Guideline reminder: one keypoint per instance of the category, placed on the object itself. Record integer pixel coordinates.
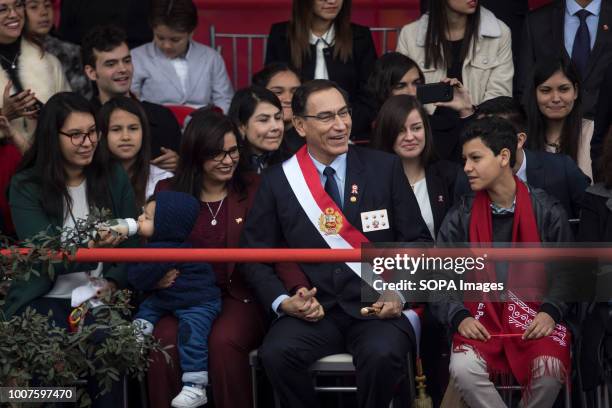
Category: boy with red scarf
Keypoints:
(533, 346)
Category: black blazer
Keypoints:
(559, 176)
(441, 177)
(543, 36)
(351, 75)
(603, 121)
(277, 219)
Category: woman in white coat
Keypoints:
(463, 40)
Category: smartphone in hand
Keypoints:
(437, 92)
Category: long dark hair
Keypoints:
(388, 70)
(537, 122)
(299, 32)
(140, 168)
(45, 163)
(437, 47)
(203, 139)
(391, 121)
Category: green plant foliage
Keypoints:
(33, 349)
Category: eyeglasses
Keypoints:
(233, 153)
(329, 117)
(5, 9)
(78, 138)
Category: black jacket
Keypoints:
(543, 36)
(595, 226)
(603, 120)
(552, 226)
(351, 75)
(165, 130)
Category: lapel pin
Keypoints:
(440, 199)
(353, 199)
(354, 189)
(238, 220)
(605, 27)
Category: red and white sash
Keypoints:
(305, 183)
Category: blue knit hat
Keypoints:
(175, 216)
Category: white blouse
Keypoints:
(422, 196)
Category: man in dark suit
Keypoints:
(287, 213)
(557, 174)
(108, 64)
(574, 29)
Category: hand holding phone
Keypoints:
(436, 92)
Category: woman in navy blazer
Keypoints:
(174, 69)
(345, 54)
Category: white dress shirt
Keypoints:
(322, 42)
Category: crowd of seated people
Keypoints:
(329, 132)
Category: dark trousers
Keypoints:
(379, 350)
(61, 309)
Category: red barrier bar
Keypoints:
(329, 255)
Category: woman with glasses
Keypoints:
(321, 43)
(210, 169)
(63, 176)
(125, 132)
(258, 115)
(29, 76)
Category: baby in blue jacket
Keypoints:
(194, 298)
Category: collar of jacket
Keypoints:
(489, 26)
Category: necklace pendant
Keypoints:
(213, 222)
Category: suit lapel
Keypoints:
(354, 170)
(602, 41)
(535, 171)
(437, 196)
(558, 23)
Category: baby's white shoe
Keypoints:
(190, 397)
